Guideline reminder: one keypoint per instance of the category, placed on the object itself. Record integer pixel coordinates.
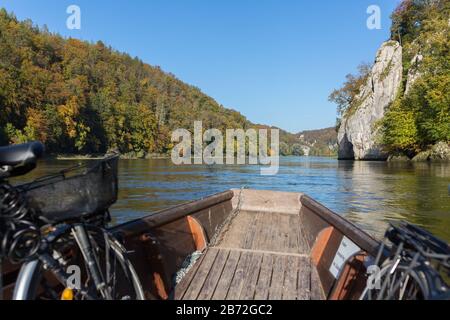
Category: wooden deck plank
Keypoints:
(224, 283)
(237, 231)
(181, 288)
(251, 275)
(277, 284)
(304, 280)
(252, 232)
(239, 276)
(273, 235)
(264, 237)
(301, 255)
(264, 278)
(204, 268)
(214, 275)
(316, 287)
(294, 233)
(302, 243)
(284, 231)
(265, 231)
(251, 278)
(260, 231)
(290, 279)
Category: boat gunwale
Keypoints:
(171, 214)
(349, 229)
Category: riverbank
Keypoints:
(101, 156)
(440, 152)
(146, 157)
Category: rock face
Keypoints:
(413, 72)
(398, 158)
(357, 135)
(439, 152)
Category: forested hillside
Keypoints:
(321, 141)
(79, 97)
(84, 98)
(326, 136)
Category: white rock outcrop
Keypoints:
(358, 134)
(413, 72)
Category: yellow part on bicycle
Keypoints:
(67, 294)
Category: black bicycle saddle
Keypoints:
(20, 159)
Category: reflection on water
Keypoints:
(368, 193)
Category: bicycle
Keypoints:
(416, 266)
(59, 221)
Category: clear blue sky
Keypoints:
(274, 61)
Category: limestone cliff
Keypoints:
(358, 133)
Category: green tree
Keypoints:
(431, 98)
(284, 149)
(297, 150)
(346, 97)
(399, 130)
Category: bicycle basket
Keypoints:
(71, 195)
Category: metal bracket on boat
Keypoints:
(147, 237)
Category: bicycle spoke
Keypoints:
(108, 266)
(414, 262)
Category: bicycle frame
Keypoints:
(31, 270)
(81, 237)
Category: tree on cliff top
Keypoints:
(346, 97)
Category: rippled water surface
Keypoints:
(368, 193)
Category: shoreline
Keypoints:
(66, 157)
(390, 159)
(74, 157)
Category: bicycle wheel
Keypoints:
(403, 284)
(118, 277)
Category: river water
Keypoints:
(368, 193)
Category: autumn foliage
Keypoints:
(79, 97)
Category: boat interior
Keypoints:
(256, 245)
(249, 245)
